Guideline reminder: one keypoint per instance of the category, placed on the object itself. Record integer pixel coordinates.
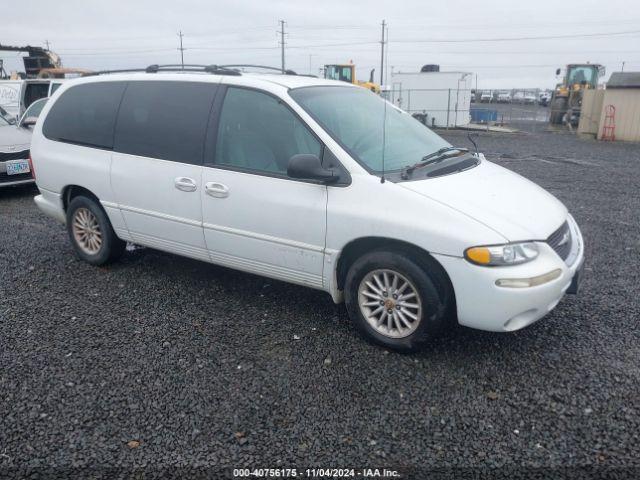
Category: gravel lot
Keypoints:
(159, 362)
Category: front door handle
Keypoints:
(216, 189)
(185, 184)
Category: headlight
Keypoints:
(498, 255)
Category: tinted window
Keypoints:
(85, 114)
(165, 120)
(257, 132)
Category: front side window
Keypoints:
(361, 123)
(257, 132)
(165, 120)
(582, 74)
(339, 72)
(345, 74)
(85, 114)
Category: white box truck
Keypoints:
(440, 99)
(17, 95)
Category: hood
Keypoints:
(509, 204)
(12, 136)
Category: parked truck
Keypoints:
(347, 73)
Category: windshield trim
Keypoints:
(352, 154)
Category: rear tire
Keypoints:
(393, 315)
(91, 233)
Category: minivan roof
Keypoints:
(264, 80)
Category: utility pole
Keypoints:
(181, 49)
(47, 44)
(310, 65)
(382, 42)
(623, 66)
(281, 32)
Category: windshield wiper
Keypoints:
(435, 157)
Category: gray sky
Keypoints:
(119, 33)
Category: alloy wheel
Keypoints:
(86, 231)
(390, 303)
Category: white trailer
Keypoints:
(440, 99)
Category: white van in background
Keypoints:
(17, 95)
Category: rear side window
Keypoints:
(165, 120)
(85, 114)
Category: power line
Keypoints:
(112, 54)
(514, 39)
(348, 44)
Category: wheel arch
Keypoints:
(360, 246)
(71, 191)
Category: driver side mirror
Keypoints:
(558, 71)
(307, 166)
(28, 122)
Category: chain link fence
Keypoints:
(522, 109)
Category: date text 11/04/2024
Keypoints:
(316, 473)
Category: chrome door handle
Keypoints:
(216, 189)
(185, 184)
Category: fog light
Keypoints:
(529, 282)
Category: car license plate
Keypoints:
(16, 167)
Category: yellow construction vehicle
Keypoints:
(566, 101)
(347, 73)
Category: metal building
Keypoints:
(623, 94)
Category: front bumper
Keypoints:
(484, 305)
(10, 180)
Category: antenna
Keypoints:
(471, 137)
(384, 138)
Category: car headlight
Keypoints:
(500, 255)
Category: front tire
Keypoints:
(91, 233)
(397, 302)
(558, 110)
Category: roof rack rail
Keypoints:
(265, 67)
(214, 69)
(188, 67)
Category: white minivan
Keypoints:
(309, 181)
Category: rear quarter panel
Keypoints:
(59, 164)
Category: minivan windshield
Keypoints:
(356, 118)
